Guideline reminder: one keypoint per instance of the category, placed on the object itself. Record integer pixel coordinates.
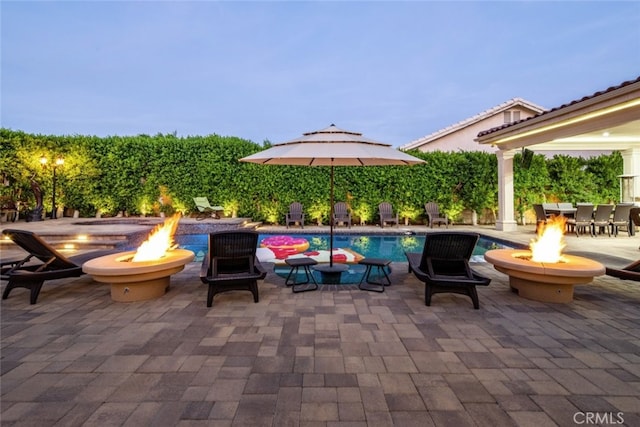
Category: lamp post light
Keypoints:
(59, 162)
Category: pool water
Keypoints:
(369, 246)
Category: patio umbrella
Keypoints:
(332, 147)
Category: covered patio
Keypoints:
(605, 121)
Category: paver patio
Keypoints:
(332, 357)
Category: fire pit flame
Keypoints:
(159, 241)
(550, 242)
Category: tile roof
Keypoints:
(471, 120)
(574, 102)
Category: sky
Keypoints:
(273, 70)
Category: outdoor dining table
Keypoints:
(561, 211)
(571, 212)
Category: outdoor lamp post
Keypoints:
(59, 162)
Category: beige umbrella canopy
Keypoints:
(332, 147)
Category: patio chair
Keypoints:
(433, 215)
(582, 219)
(205, 210)
(601, 219)
(341, 214)
(621, 218)
(231, 264)
(628, 272)
(295, 215)
(541, 215)
(566, 209)
(43, 262)
(386, 214)
(443, 265)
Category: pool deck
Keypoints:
(331, 357)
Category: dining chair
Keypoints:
(601, 219)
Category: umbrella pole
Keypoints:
(331, 220)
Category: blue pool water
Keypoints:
(369, 246)
(372, 246)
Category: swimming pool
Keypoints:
(351, 246)
(371, 246)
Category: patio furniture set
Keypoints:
(231, 264)
(596, 219)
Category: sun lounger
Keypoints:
(42, 263)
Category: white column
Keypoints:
(631, 166)
(506, 218)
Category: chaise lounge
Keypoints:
(205, 210)
(628, 272)
(42, 263)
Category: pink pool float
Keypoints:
(285, 246)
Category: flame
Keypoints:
(550, 241)
(159, 241)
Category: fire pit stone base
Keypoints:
(544, 282)
(137, 281)
(542, 291)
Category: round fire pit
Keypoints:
(137, 281)
(545, 282)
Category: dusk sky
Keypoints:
(395, 71)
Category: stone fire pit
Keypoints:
(137, 281)
(548, 281)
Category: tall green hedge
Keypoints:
(162, 173)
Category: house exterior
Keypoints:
(461, 136)
(606, 120)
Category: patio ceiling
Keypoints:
(607, 120)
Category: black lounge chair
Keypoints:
(443, 265)
(341, 214)
(295, 215)
(231, 263)
(42, 263)
(628, 272)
